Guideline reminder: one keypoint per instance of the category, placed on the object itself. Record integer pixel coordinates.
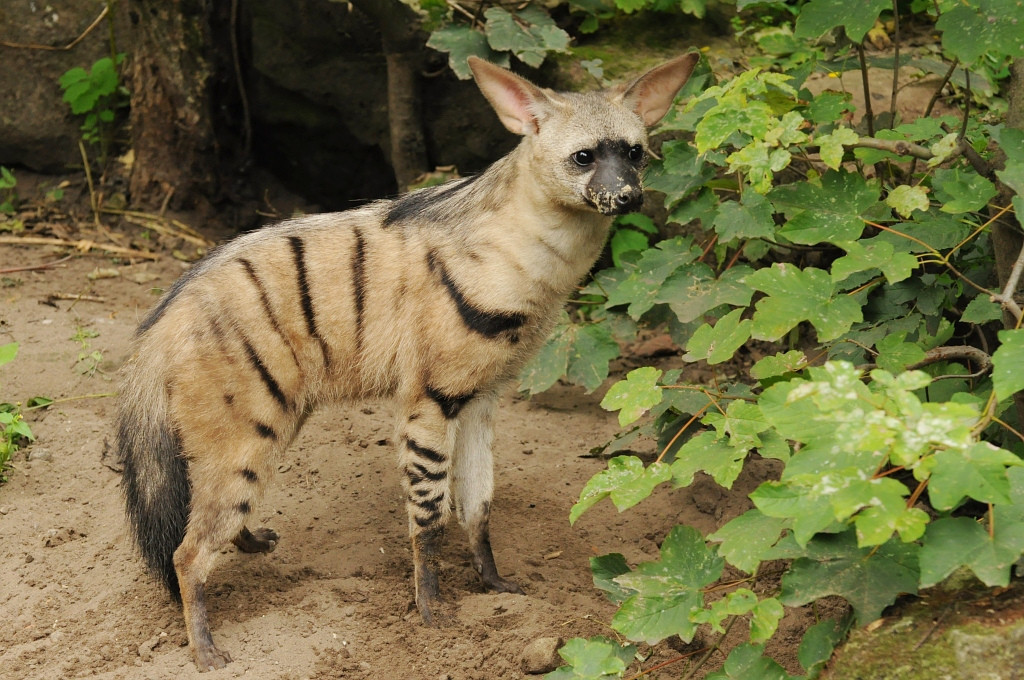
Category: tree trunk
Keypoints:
(402, 44)
(1006, 231)
(169, 77)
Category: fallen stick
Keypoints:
(81, 245)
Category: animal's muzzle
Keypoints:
(616, 201)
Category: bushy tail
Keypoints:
(155, 480)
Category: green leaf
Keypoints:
(826, 213)
(906, 198)
(809, 511)
(721, 122)
(819, 642)
(626, 482)
(642, 285)
(828, 107)
(796, 295)
(978, 472)
(981, 310)
(593, 348)
(818, 17)
(745, 539)
(951, 542)
(707, 452)
(1007, 376)
(529, 34)
(764, 619)
(870, 579)
(605, 570)
(595, 658)
(681, 171)
(692, 291)
(550, 363)
(1013, 176)
(626, 241)
(832, 144)
(864, 256)
(669, 590)
(962, 190)
(8, 352)
(779, 365)
(750, 217)
(746, 662)
(737, 603)
(894, 354)
(635, 395)
(954, 541)
(462, 42)
(977, 27)
(719, 343)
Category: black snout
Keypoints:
(615, 187)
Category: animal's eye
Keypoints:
(583, 157)
(636, 153)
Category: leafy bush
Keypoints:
(96, 94)
(873, 258)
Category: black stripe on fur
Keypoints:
(486, 323)
(306, 299)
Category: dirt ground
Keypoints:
(335, 599)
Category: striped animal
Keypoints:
(434, 299)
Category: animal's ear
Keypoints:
(519, 103)
(651, 95)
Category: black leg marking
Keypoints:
(417, 473)
(359, 285)
(486, 323)
(267, 309)
(265, 431)
(450, 406)
(428, 453)
(249, 474)
(299, 253)
(426, 547)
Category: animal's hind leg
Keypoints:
(474, 488)
(223, 497)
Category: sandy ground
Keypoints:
(335, 599)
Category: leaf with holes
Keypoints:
(626, 481)
(826, 213)
(635, 395)
(595, 658)
(718, 343)
(668, 590)
(870, 579)
(796, 295)
(818, 17)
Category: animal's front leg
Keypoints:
(426, 441)
(474, 488)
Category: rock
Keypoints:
(541, 656)
(36, 453)
(37, 129)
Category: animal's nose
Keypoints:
(629, 200)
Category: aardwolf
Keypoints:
(435, 299)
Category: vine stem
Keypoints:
(664, 664)
(683, 429)
(869, 116)
(1005, 298)
(99, 395)
(711, 650)
(896, 59)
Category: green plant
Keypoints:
(865, 256)
(8, 194)
(96, 94)
(14, 431)
(89, 360)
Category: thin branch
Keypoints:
(1005, 298)
(940, 88)
(83, 245)
(896, 65)
(36, 267)
(869, 116)
(711, 650)
(65, 48)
